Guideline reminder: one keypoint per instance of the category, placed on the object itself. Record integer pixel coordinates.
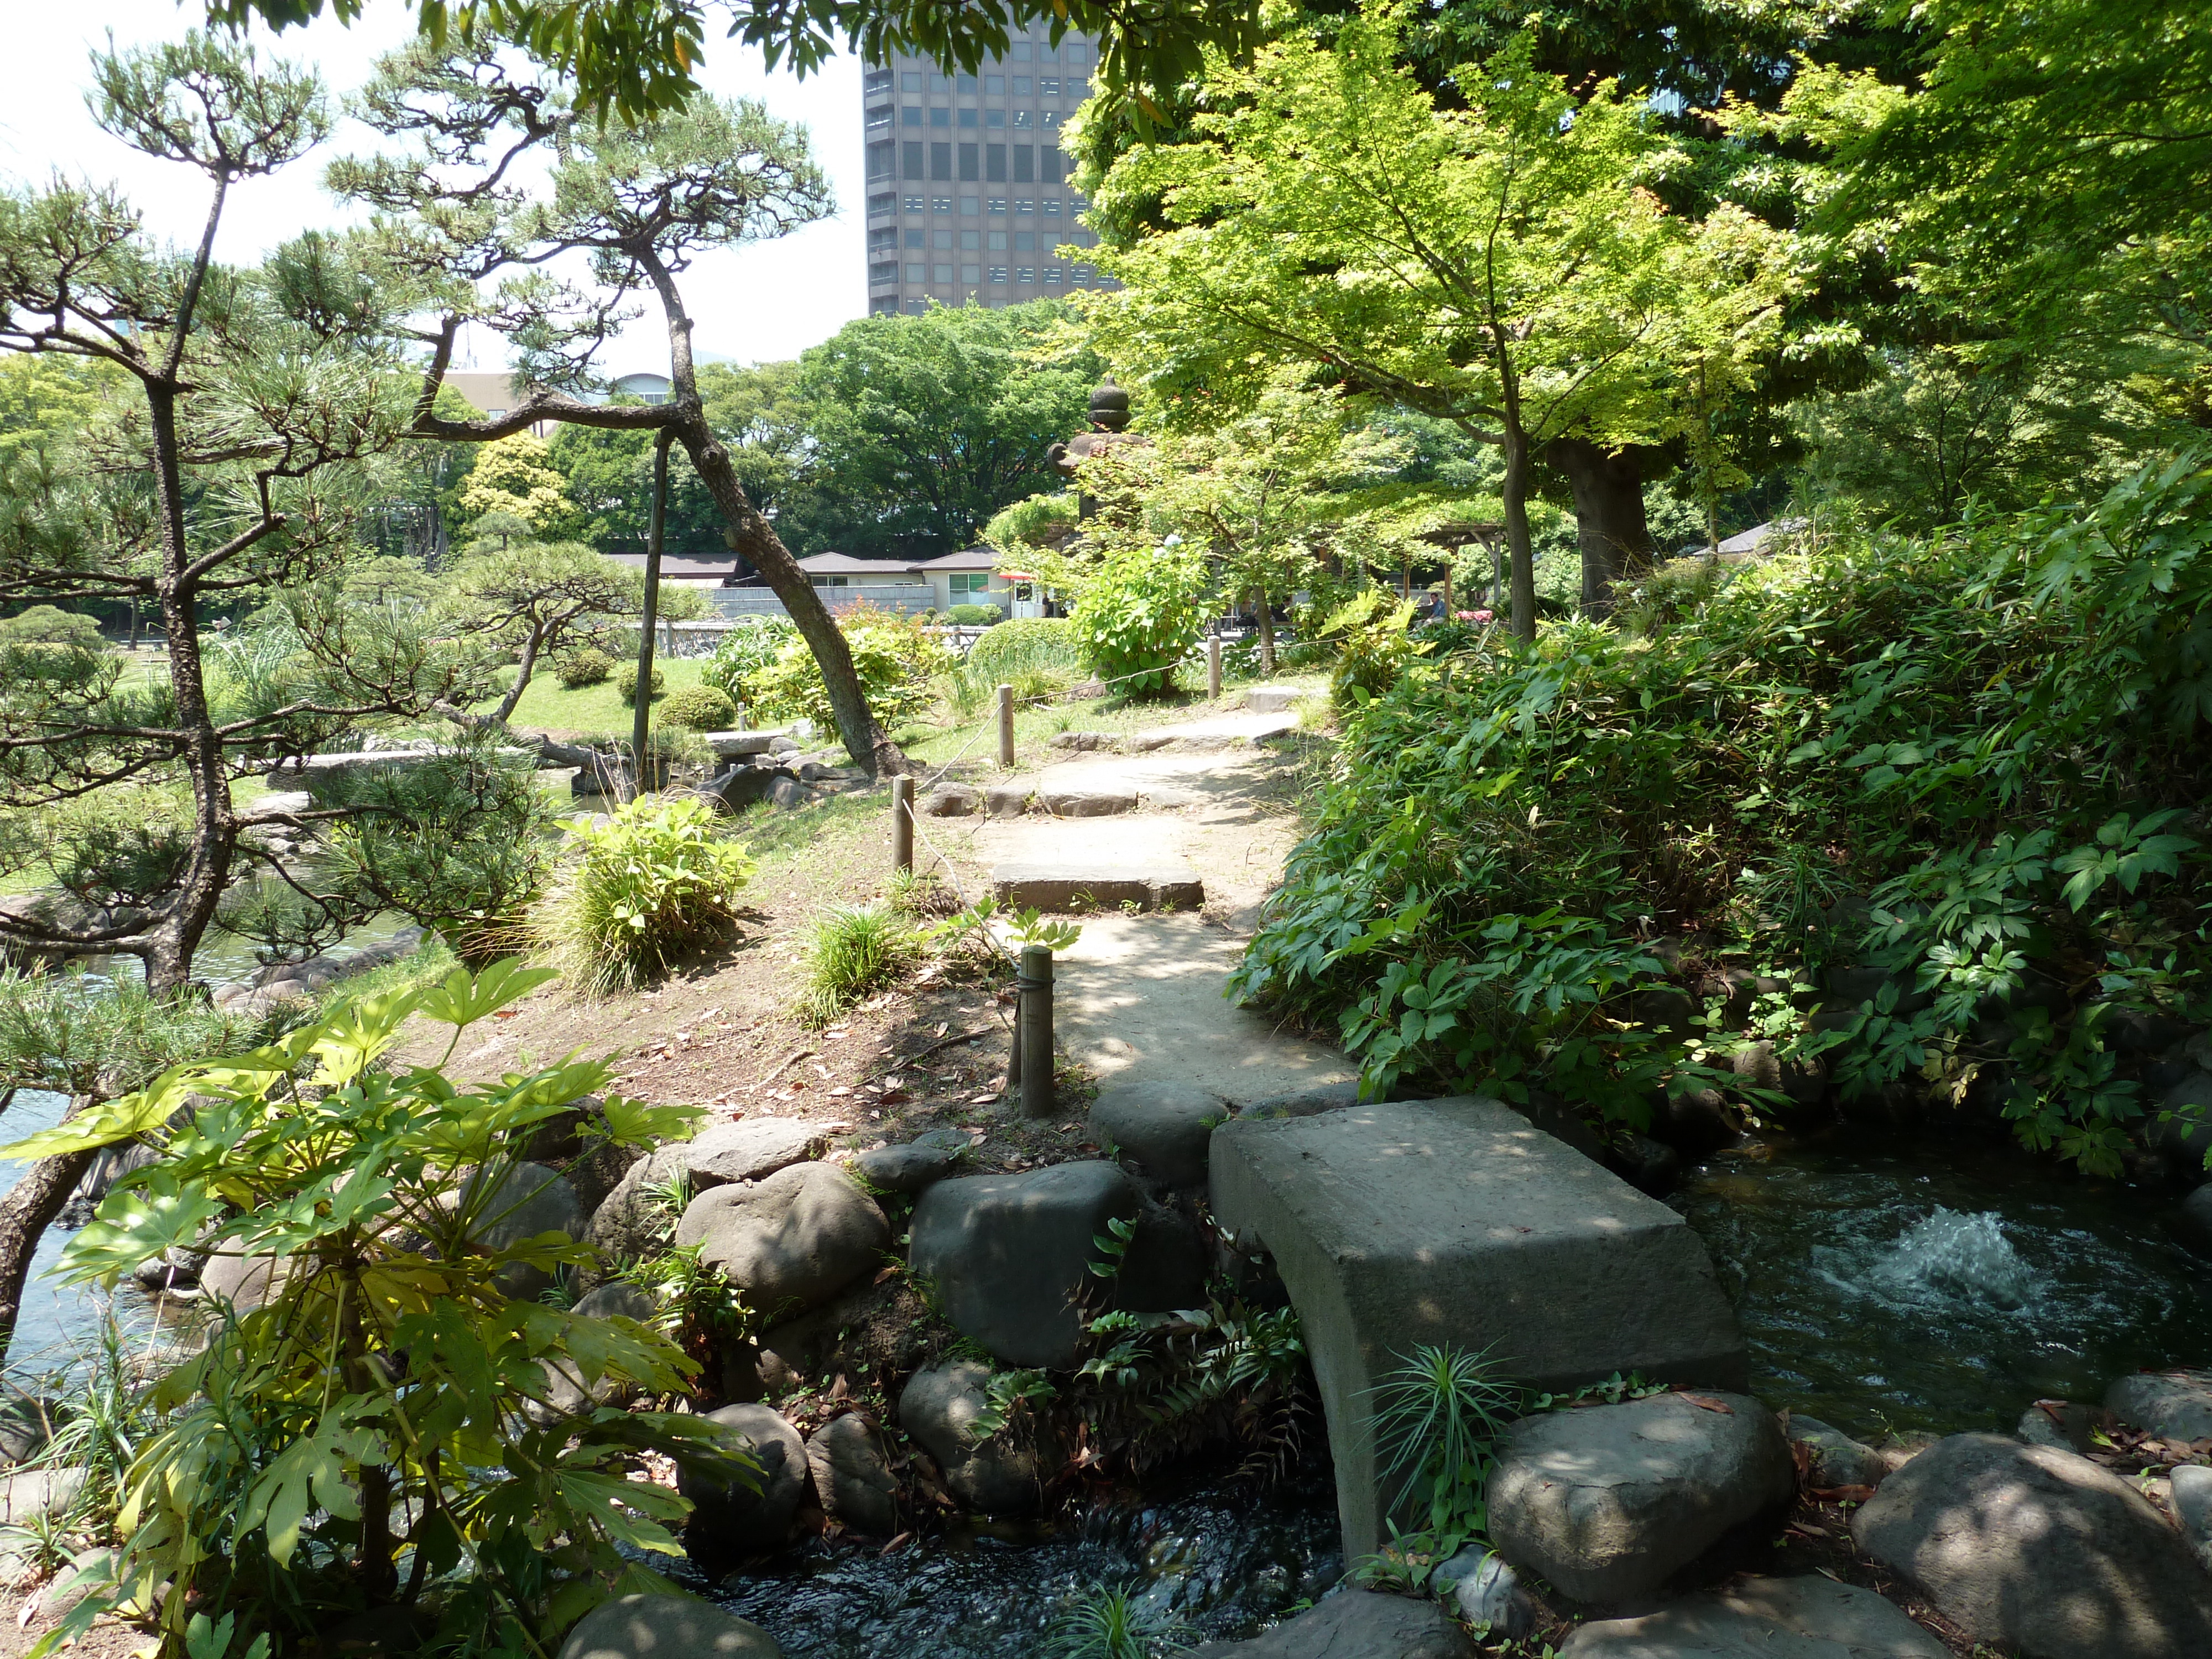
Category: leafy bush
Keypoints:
(1140, 612)
(1035, 655)
(745, 652)
(700, 708)
(656, 882)
(1373, 650)
(976, 616)
(894, 658)
(852, 951)
(1959, 763)
(366, 1413)
(588, 665)
(626, 684)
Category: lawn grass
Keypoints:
(592, 710)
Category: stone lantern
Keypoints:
(1110, 422)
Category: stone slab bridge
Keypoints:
(1458, 1222)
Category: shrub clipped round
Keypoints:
(626, 684)
(586, 665)
(653, 883)
(700, 708)
(1139, 614)
(976, 616)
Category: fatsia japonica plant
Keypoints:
(378, 1426)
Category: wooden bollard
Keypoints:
(1031, 1064)
(1005, 726)
(902, 823)
(1213, 668)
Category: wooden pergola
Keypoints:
(1449, 539)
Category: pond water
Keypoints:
(1218, 1555)
(1941, 1282)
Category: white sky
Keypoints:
(754, 305)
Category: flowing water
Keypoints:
(1209, 1552)
(1942, 1283)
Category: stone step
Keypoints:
(1079, 887)
(743, 745)
(1276, 699)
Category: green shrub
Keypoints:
(656, 882)
(367, 1410)
(1963, 763)
(1373, 650)
(588, 665)
(976, 616)
(626, 684)
(1140, 613)
(894, 658)
(1045, 643)
(744, 653)
(853, 950)
(700, 708)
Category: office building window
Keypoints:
(1078, 91)
(998, 242)
(1021, 85)
(967, 119)
(884, 274)
(941, 83)
(880, 117)
(940, 162)
(971, 273)
(995, 118)
(1050, 206)
(994, 163)
(942, 273)
(1025, 241)
(941, 204)
(915, 308)
(1052, 276)
(1049, 88)
(1023, 119)
(994, 86)
(1077, 53)
(1024, 164)
(1049, 120)
(916, 237)
(914, 204)
(1024, 273)
(884, 305)
(1022, 207)
(967, 82)
(911, 116)
(971, 163)
(971, 238)
(883, 237)
(876, 81)
(968, 206)
(1022, 51)
(942, 239)
(917, 273)
(886, 202)
(998, 204)
(913, 169)
(910, 81)
(940, 117)
(1081, 273)
(1052, 166)
(883, 161)
(997, 273)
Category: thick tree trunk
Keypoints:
(1520, 555)
(1610, 527)
(26, 1212)
(1267, 638)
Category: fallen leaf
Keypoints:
(839, 1091)
(1710, 1404)
(895, 1097)
(943, 1026)
(1843, 1494)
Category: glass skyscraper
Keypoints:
(968, 192)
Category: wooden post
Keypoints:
(902, 823)
(641, 766)
(1033, 1029)
(1448, 611)
(1213, 668)
(1005, 726)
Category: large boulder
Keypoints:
(529, 1200)
(1011, 1257)
(852, 1475)
(666, 1627)
(749, 1150)
(1832, 1458)
(2174, 1405)
(1355, 1624)
(631, 1222)
(790, 1242)
(732, 1517)
(940, 1407)
(2039, 1552)
(1608, 1502)
(2196, 1214)
(244, 1282)
(1459, 1222)
(1165, 1128)
(1807, 1618)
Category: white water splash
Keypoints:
(1960, 1259)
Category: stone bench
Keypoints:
(1095, 887)
(1458, 1222)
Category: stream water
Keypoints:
(1942, 1283)
(1219, 1558)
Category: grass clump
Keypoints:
(1110, 1623)
(653, 884)
(854, 950)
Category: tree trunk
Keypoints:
(1610, 527)
(26, 1212)
(1267, 638)
(640, 731)
(1520, 553)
